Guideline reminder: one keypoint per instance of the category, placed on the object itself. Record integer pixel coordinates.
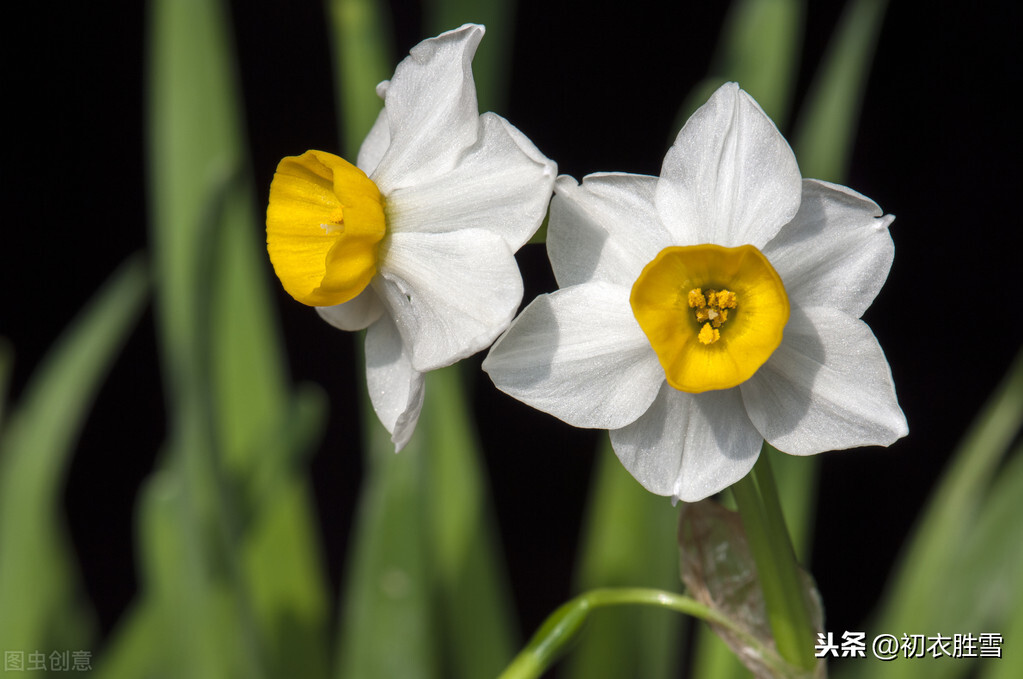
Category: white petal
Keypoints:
(579, 355)
(836, 252)
(431, 109)
(451, 294)
(502, 185)
(375, 144)
(827, 387)
(730, 178)
(605, 229)
(395, 388)
(689, 446)
(355, 314)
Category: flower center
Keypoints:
(711, 311)
(713, 315)
(324, 225)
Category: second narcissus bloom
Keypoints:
(416, 242)
(708, 309)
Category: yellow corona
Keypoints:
(324, 225)
(713, 315)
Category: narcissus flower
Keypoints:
(416, 242)
(708, 309)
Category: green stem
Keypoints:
(757, 498)
(562, 625)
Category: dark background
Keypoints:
(596, 86)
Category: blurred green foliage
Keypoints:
(41, 597)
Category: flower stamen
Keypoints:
(711, 310)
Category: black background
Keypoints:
(596, 86)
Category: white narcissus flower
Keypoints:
(708, 309)
(417, 243)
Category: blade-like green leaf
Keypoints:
(182, 574)
(362, 58)
(1010, 665)
(628, 540)
(955, 503)
(40, 594)
(129, 649)
(961, 569)
(236, 547)
(827, 122)
(194, 155)
(472, 588)
(386, 629)
(713, 658)
(197, 617)
(759, 49)
(425, 567)
(246, 362)
(282, 567)
(988, 569)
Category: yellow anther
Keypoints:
(709, 335)
(711, 310)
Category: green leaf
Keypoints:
(425, 566)
(282, 568)
(956, 503)
(386, 628)
(232, 541)
(40, 595)
(246, 362)
(194, 156)
(713, 658)
(1010, 665)
(628, 540)
(827, 123)
(960, 572)
(129, 649)
(468, 571)
(759, 49)
(198, 619)
(362, 58)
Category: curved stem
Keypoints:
(562, 625)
